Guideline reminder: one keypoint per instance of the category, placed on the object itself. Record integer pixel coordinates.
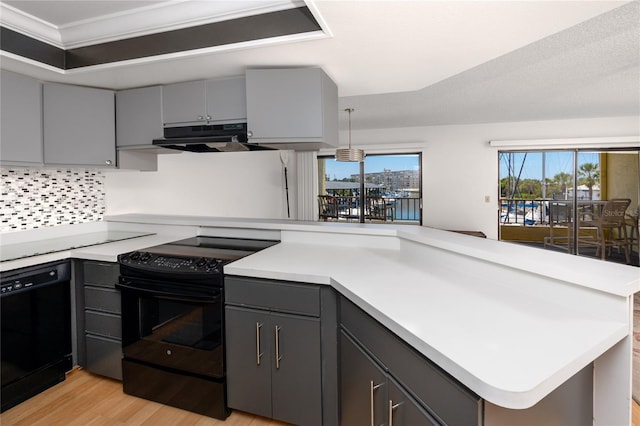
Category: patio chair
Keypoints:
(559, 225)
(376, 208)
(327, 207)
(611, 228)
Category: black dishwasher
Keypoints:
(36, 330)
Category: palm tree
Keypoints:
(589, 176)
(563, 179)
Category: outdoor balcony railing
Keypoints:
(397, 209)
(538, 211)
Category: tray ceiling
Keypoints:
(395, 56)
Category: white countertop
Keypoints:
(485, 324)
(609, 277)
(105, 252)
(510, 322)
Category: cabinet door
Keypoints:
(21, 119)
(403, 410)
(285, 104)
(363, 386)
(249, 343)
(138, 116)
(184, 102)
(296, 388)
(226, 99)
(79, 125)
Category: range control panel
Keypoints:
(159, 262)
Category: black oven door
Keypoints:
(169, 325)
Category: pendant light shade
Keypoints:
(349, 154)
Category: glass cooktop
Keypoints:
(216, 247)
(53, 245)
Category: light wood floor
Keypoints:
(85, 399)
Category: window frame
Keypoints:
(327, 155)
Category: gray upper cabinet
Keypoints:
(79, 125)
(292, 106)
(211, 101)
(21, 119)
(227, 99)
(138, 116)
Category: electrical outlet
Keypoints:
(487, 198)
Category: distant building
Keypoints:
(339, 188)
(392, 180)
(583, 192)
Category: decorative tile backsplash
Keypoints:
(35, 198)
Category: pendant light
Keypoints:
(349, 154)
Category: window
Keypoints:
(560, 200)
(392, 189)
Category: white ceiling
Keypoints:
(403, 63)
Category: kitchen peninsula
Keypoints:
(526, 330)
(511, 323)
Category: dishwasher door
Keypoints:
(36, 330)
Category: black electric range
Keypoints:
(173, 321)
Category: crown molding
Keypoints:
(292, 38)
(146, 20)
(21, 22)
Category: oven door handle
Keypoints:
(165, 294)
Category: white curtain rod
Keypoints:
(599, 142)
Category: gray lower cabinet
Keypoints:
(371, 396)
(99, 321)
(281, 352)
(383, 376)
(21, 119)
(275, 367)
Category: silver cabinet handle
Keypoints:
(278, 357)
(372, 388)
(391, 408)
(108, 162)
(208, 117)
(258, 351)
(249, 134)
(200, 117)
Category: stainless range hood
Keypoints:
(208, 138)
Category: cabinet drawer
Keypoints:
(104, 356)
(433, 387)
(273, 295)
(101, 274)
(103, 324)
(102, 299)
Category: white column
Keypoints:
(612, 378)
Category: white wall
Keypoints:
(227, 184)
(459, 170)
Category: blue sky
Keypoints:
(555, 162)
(372, 164)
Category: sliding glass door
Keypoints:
(582, 202)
